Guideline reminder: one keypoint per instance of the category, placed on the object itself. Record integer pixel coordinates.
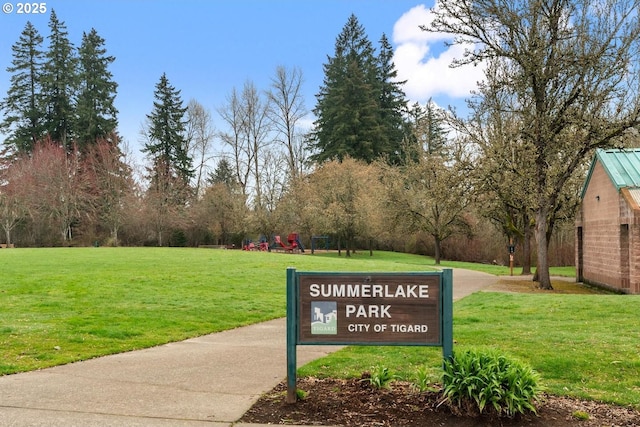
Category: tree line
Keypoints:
(58, 92)
(375, 171)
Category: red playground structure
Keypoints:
(294, 243)
(250, 246)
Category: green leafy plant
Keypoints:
(423, 379)
(379, 377)
(486, 379)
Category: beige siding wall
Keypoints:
(601, 232)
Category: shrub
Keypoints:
(481, 380)
(379, 377)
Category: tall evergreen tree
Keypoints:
(23, 104)
(171, 167)
(430, 128)
(425, 133)
(59, 83)
(223, 174)
(96, 114)
(347, 108)
(167, 144)
(393, 104)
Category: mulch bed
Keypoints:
(354, 403)
(336, 402)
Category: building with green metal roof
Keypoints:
(608, 222)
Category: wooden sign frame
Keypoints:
(354, 308)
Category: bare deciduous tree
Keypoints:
(572, 68)
(345, 199)
(286, 112)
(257, 128)
(222, 211)
(13, 204)
(248, 136)
(59, 189)
(236, 139)
(200, 136)
(111, 184)
(504, 172)
(432, 195)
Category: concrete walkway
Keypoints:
(207, 381)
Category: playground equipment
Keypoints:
(294, 243)
(248, 245)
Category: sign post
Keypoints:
(292, 360)
(367, 309)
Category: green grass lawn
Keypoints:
(501, 270)
(498, 270)
(65, 304)
(583, 345)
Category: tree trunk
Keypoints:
(526, 250)
(437, 250)
(7, 232)
(199, 178)
(114, 235)
(542, 270)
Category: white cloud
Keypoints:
(407, 28)
(422, 59)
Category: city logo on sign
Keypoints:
(324, 318)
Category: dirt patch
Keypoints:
(351, 403)
(525, 284)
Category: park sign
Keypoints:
(348, 308)
(369, 309)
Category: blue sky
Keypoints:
(208, 47)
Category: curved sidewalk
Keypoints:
(206, 381)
